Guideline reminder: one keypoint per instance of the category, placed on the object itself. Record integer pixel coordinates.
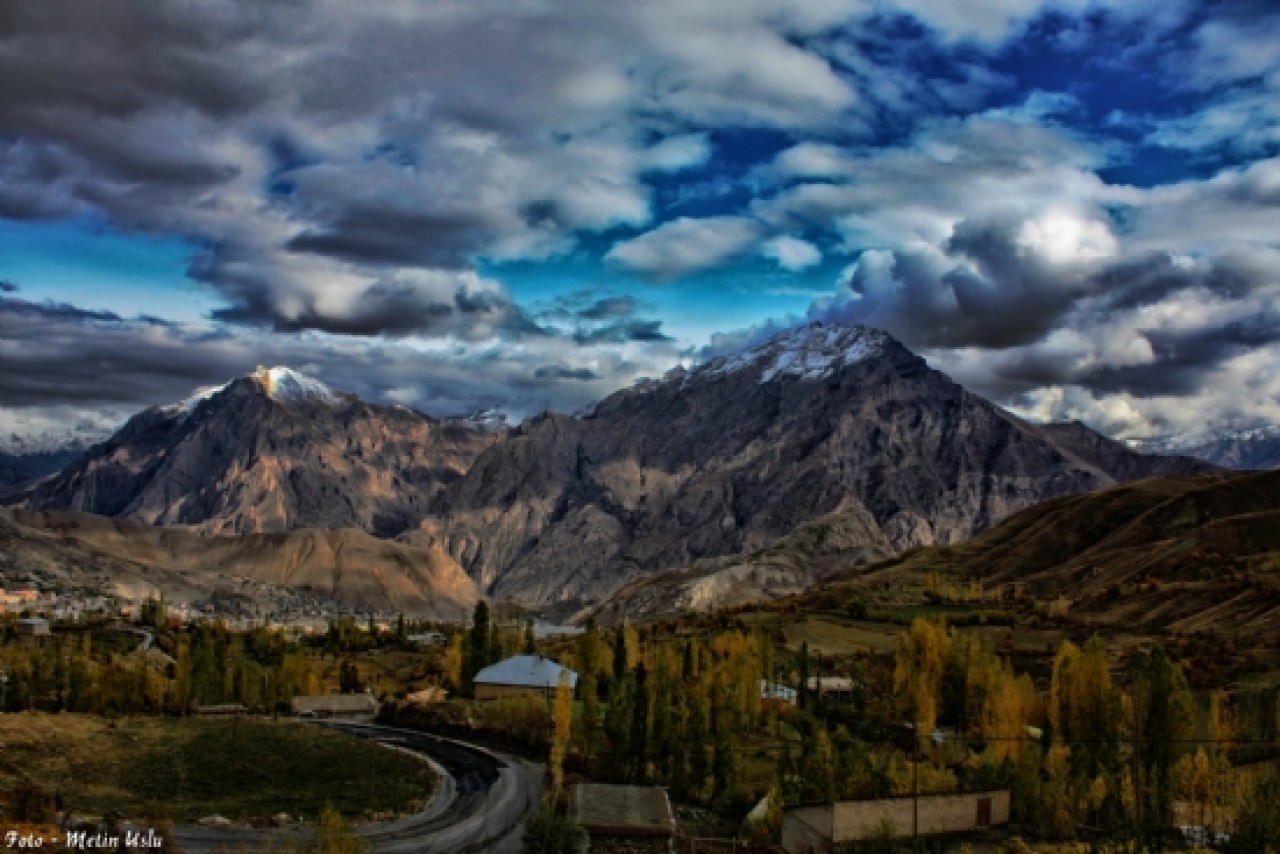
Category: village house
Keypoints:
(521, 676)
(634, 819)
(33, 626)
(832, 687)
(335, 706)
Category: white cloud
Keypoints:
(683, 246)
(791, 253)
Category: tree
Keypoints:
(638, 738)
(917, 673)
(349, 678)
(333, 836)
(563, 718)
(1163, 719)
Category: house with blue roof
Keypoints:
(522, 676)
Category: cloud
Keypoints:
(791, 253)
(684, 246)
(311, 151)
(57, 358)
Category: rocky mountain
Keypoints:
(1256, 448)
(271, 451)
(729, 457)
(817, 549)
(269, 572)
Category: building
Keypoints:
(429, 639)
(832, 687)
(623, 818)
(521, 676)
(778, 693)
(819, 828)
(335, 706)
(33, 626)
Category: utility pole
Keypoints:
(915, 790)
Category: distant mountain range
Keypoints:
(1255, 448)
(715, 462)
(29, 456)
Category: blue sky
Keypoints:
(1069, 206)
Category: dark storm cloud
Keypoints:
(987, 291)
(561, 372)
(63, 354)
(621, 331)
(386, 236)
(607, 308)
(62, 361)
(1184, 359)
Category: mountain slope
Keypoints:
(816, 549)
(271, 451)
(730, 457)
(135, 560)
(1192, 554)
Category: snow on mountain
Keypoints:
(54, 440)
(288, 385)
(809, 352)
(1190, 441)
(1248, 448)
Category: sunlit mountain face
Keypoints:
(1070, 207)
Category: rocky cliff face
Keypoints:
(272, 451)
(727, 458)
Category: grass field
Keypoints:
(183, 769)
(834, 636)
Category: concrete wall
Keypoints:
(816, 828)
(495, 692)
(853, 820)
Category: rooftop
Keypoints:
(529, 671)
(623, 810)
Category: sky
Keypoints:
(1071, 207)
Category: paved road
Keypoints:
(481, 806)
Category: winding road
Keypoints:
(481, 805)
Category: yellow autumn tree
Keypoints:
(917, 672)
(563, 718)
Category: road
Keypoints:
(483, 800)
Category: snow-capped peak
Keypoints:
(1186, 442)
(286, 384)
(809, 352)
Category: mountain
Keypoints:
(729, 457)
(814, 551)
(30, 456)
(1256, 448)
(271, 451)
(293, 574)
(1176, 556)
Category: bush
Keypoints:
(548, 832)
(29, 803)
